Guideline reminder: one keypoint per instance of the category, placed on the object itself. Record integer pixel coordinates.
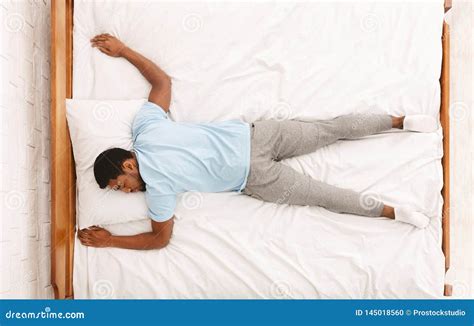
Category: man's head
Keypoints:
(118, 169)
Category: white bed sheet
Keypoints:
(283, 61)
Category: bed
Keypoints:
(232, 246)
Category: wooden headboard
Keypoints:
(63, 179)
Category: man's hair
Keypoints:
(108, 165)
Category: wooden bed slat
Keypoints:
(63, 184)
(444, 119)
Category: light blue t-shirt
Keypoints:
(175, 157)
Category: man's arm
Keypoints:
(160, 93)
(158, 238)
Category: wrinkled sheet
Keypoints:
(283, 60)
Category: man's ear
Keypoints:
(127, 166)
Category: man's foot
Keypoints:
(397, 122)
(420, 123)
(407, 215)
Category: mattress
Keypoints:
(280, 60)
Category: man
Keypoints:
(169, 158)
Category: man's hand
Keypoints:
(95, 236)
(158, 238)
(160, 92)
(108, 44)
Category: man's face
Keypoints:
(130, 180)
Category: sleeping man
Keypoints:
(171, 157)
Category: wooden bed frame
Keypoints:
(63, 179)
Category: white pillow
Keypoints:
(94, 127)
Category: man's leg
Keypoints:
(283, 185)
(293, 138)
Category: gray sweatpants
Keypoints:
(272, 181)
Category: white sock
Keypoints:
(407, 215)
(420, 123)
